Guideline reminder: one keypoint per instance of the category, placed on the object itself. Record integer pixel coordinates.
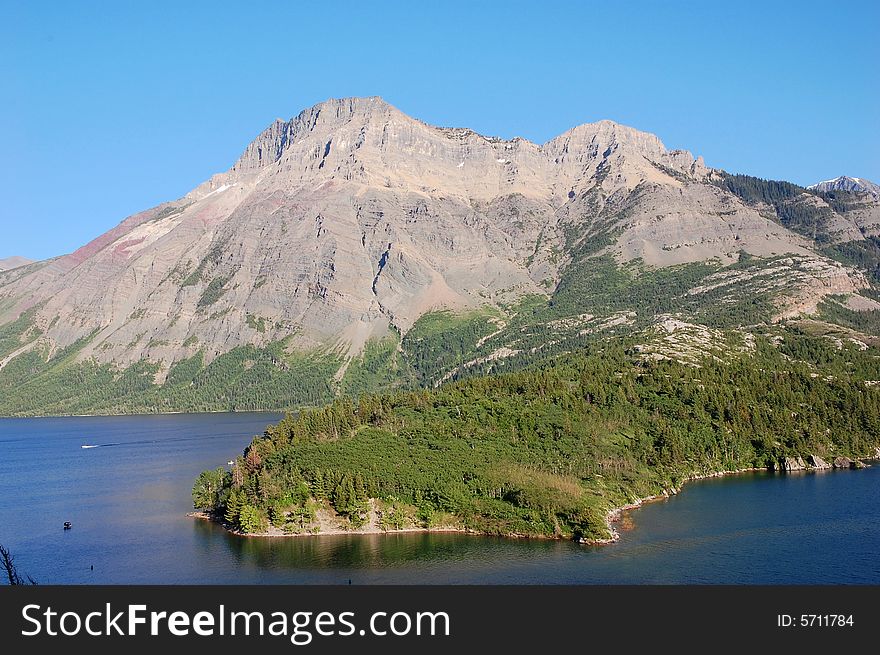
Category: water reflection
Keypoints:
(372, 551)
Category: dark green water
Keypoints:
(128, 501)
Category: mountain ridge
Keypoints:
(14, 262)
(349, 223)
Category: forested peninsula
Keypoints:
(551, 450)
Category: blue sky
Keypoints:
(109, 108)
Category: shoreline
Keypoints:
(281, 412)
(205, 516)
(612, 516)
(615, 514)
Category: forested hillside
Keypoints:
(549, 450)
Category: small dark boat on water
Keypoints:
(67, 525)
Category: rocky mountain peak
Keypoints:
(368, 141)
(319, 120)
(604, 137)
(846, 183)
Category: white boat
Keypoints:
(87, 446)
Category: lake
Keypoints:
(127, 500)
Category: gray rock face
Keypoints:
(352, 219)
(817, 462)
(788, 464)
(844, 463)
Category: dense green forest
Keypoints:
(791, 203)
(842, 201)
(755, 189)
(549, 450)
(245, 378)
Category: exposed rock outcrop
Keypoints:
(788, 464)
(817, 462)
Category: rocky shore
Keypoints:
(787, 464)
(784, 465)
(273, 532)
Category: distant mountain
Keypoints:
(13, 262)
(354, 247)
(851, 184)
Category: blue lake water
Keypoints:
(128, 499)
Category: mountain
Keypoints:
(850, 184)
(13, 262)
(354, 247)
